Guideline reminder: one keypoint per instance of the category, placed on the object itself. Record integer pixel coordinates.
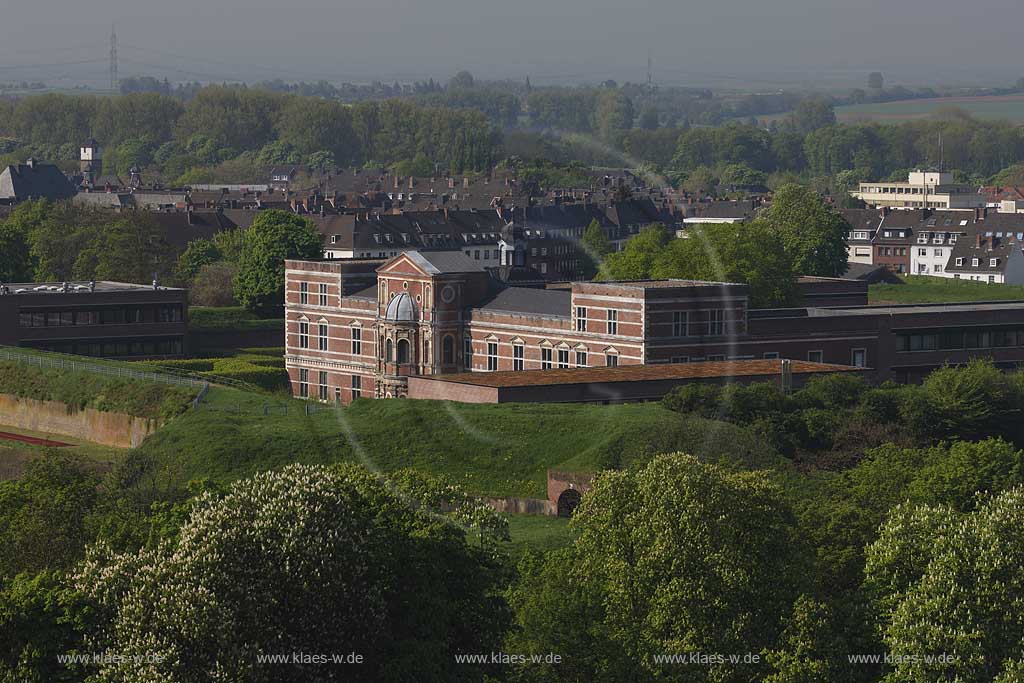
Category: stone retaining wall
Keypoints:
(52, 417)
(522, 506)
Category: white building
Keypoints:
(923, 190)
(934, 242)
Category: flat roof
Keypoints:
(23, 288)
(659, 284)
(905, 309)
(637, 373)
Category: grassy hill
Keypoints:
(498, 450)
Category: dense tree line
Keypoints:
(223, 132)
(255, 126)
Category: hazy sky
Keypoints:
(826, 41)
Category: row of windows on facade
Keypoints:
(102, 316)
(321, 294)
(323, 390)
(682, 326)
(120, 348)
(960, 339)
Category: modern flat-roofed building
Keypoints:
(923, 190)
(363, 328)
(103, 319)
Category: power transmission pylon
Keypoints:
(113, 59)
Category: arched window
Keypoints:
(388, 350)
(448, 350)
(403, 351)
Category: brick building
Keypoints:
(361, 328)
(105, 319)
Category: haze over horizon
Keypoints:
(799, 42)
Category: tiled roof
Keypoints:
(640, 373)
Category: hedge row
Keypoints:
(139, 398)
(269, 378)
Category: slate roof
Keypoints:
(549, 302)
(448, 261)
(34, 180)
(984, 249)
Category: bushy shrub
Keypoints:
(840, 390)
(703, 399)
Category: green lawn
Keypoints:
(497, 450)
(538, 533)
(922, 289)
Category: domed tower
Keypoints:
(399, 333)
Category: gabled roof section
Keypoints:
(430, 262)
(547, 302)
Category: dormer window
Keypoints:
(959, 263)
(993, 262)
(975, 262)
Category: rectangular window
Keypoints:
(716, 357)
(303, 292)
(611, 360)
(581, 359)
(613, 321)
(323, 386)
(323, 337)
(467, 353)
(974, 262)
(859, 358)
(303, 383)
(959, 262)
(770, 355)
(814, 356)
(357, 387)
(545, 358)
(303, 334)
(323, 294)
(357, 341)
(563, 358)
(581, 319)
(492, 356)
(518, 351)
(679, 321)
(993, 262)
(717, 324)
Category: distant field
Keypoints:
(1009, 107)
(921, 289)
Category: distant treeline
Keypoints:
(232, 133)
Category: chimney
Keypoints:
(977, 241)
(451, 183)
(465, 183)
(412, 182)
